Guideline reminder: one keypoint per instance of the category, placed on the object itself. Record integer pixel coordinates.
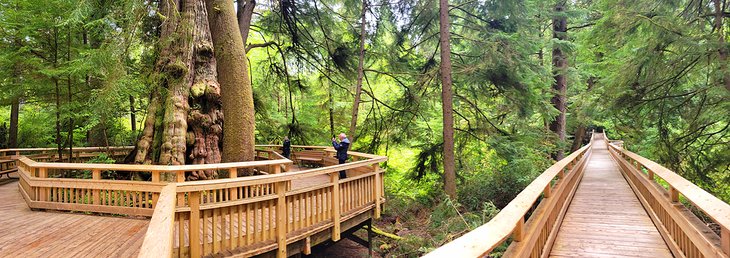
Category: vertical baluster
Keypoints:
(249, 223)
(216, 221)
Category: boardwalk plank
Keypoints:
(605, 219)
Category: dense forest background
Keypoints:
(652, 73)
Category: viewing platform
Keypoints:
(154, 218)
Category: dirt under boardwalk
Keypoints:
(605, 218)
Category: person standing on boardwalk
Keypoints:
(341, 148)
(286, 147)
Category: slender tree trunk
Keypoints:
(723, 49)
(184, 125)
(245, 13)
(240, 126)
(132, 114)
(580, 133)
(560, 68)
(331, 110)
(360, 73)
(57, 96)
(13, 134)
(70, 99)
(446, 98)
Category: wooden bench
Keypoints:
(309, 157)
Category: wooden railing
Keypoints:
(219, 215)
(80, 154)
(685, 234)
(532, 235)
(106, 195)
(7, 166)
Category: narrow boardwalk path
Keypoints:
(26, 233)
(605, 218)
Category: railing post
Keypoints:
(232, 192)
(96, 175)
(43, 173)
(155, 196)
(335, 179)
(548, 191)
(650, 174)
(180, 176)
(155, 176)
(518, 234)
(194, 203)
(673, 194)
(281, 218)
(376, 169)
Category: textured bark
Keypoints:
(447, 101)
(360, 73)
(245, 12)
(560, 68)
(184, 119)
(239, 127)
(13, 134)
(723, 49)
(206, 116)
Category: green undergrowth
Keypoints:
(426, 226)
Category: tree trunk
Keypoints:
(331, 110)
(132, 114)
(446, 98)
(70, 99)
(59, 148)
(13, 134)
(245, 12)
(184, 118)
(723, 49)
(360, 73)
(580, 133)
(560, 68)
(240, 126)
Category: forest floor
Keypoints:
(343, 248)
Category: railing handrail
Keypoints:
(147, 168)
(713, 207)
(485, 238)
(244, 181)
(158, 240)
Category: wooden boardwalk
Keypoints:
(26, 233)
(605, 218)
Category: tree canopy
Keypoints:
(652, 73)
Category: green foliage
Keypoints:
(648, 71)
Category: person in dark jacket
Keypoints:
(341, 148)
(286, 147)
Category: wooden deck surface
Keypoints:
(26, 233)
(605, 218)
